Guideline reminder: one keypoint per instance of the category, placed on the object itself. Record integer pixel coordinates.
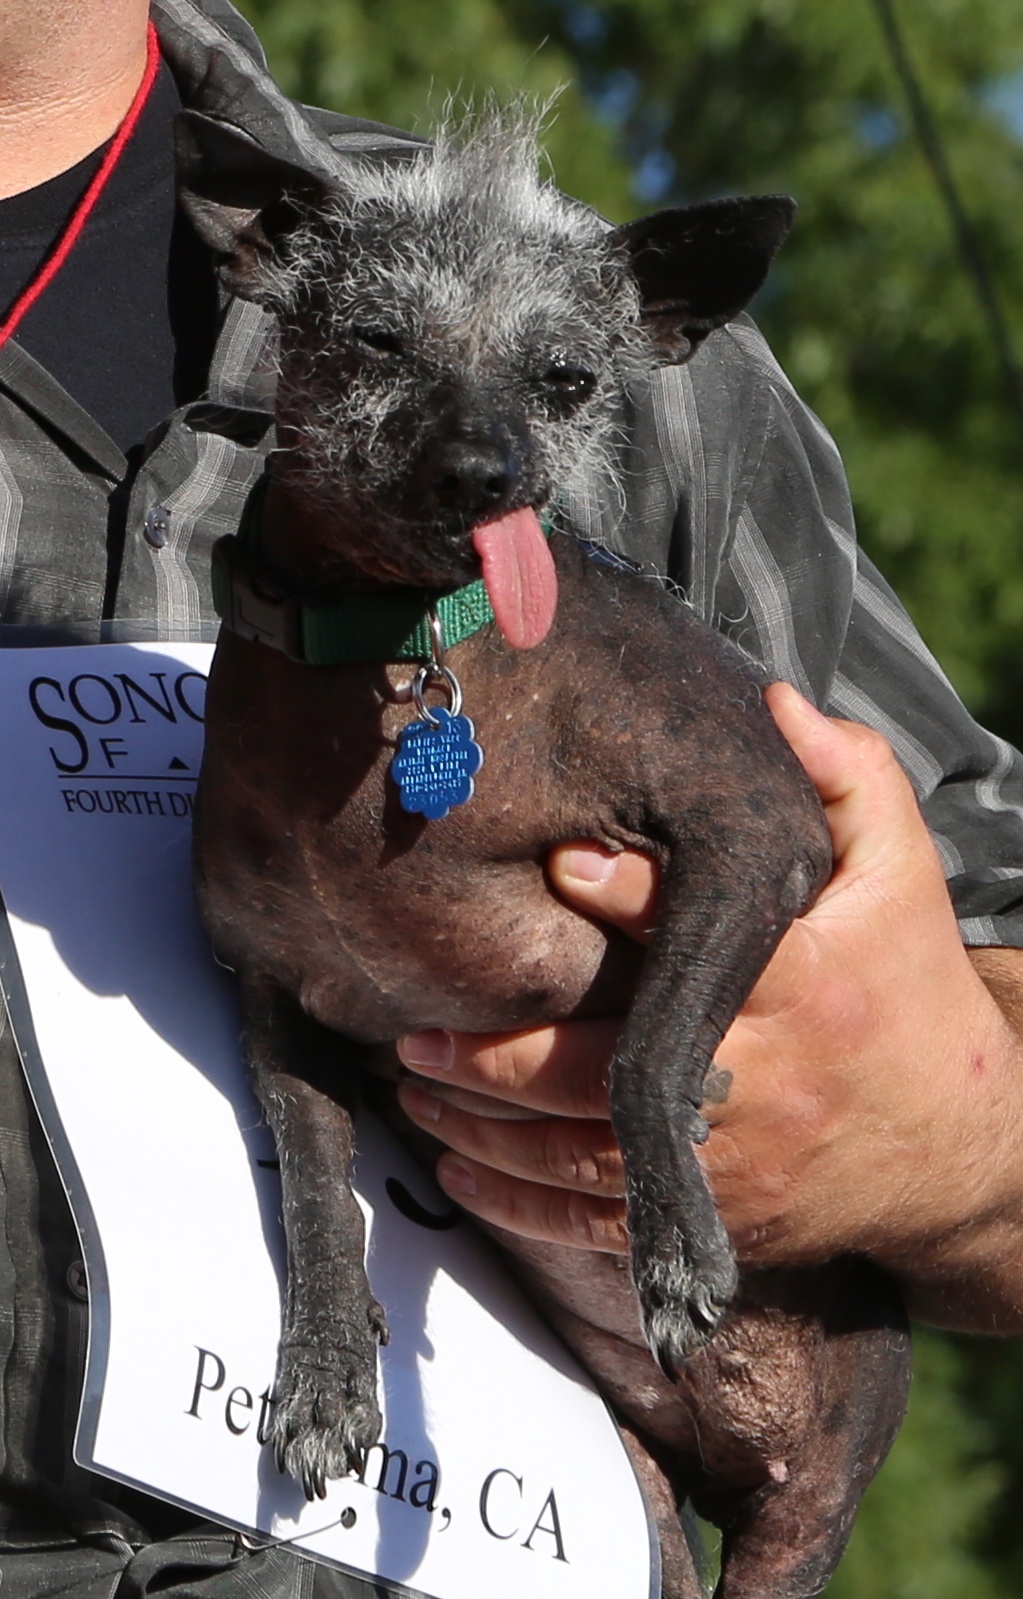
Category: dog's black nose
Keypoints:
(475, 477)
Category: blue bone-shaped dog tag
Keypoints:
(435, 766)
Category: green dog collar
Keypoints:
(353, 625)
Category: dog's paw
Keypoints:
(683, 1302)
(326, 1413)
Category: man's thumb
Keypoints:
(614, 886)
(871, 809)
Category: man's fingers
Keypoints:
(619, 887)
(559, 1151)
(557, 1176)
(534, 1210)
(560, 1071)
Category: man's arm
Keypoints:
(869, 1098)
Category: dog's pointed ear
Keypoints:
(697, 267)
(240, 199)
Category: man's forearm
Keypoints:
(971, 1280)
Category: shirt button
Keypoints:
(76, 1280)
(156, 527)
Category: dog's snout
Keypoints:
(471, 476)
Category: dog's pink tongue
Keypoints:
(518, 569)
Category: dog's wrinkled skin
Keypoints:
(455, 339)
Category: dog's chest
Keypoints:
(311, 871)
(383, 921)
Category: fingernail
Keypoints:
(431, 1052)
(589, 865)
(457, 1180)
(418, 1103)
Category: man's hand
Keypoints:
(868, 1098)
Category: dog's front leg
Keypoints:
(326, 1412)
(724, 906)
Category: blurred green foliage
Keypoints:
(400, 60)
(869, 309)
(873, 315)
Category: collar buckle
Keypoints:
(249, 613)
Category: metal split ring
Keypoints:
(436, 637)
(435, 674)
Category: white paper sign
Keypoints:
(501, 1469)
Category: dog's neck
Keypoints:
(313, 611)
(297, 547)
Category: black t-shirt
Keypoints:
(128, 324)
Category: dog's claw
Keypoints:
(326, 1414)
(378, 1323)
(679, 1323)
(684, 1300)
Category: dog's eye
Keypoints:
(569, 382)
(381, 339)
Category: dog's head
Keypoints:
(456, 336)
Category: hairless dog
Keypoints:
(456, 343)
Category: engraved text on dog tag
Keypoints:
(435, 764)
